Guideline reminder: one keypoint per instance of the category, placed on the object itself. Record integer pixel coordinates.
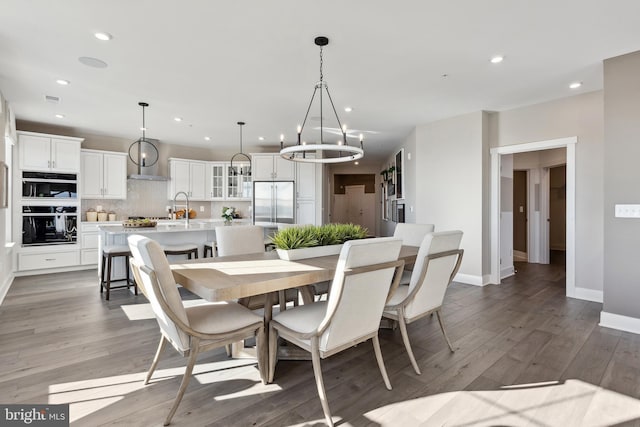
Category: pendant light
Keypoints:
(142, 152)
(336, 152)
(234, 169)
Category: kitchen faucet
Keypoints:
(186, 196)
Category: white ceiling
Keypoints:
(217, 62)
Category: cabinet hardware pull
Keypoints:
(49, 259)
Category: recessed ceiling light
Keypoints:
(63, 82)
(177, 119)
(356, 163)
(261, 138)
(348, 109)
(497, 59)
(92, 62)
(103, 36)
(575, 85)
(60, 116)
(207, 138)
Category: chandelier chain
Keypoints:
(321, 62)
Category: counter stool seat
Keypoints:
(108, 253)
(187, 249)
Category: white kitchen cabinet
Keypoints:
(103, 175)
(42, 152)
(89, 239)
(215, 180)
(46, 260)
(272, 167)
(308, 178)
(239, 184)
(188, 176)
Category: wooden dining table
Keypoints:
(242, 276)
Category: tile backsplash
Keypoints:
(149, 198)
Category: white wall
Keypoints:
(451, 159)
(6, 267)
(581, 116)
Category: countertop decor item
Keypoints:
(138, 223)
(336, 152)
(228, 214)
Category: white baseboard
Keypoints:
(622, 323)
(586, 294)
(471, 279)
(5, 287)
(506, 272)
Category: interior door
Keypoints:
(360, 208)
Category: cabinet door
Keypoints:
(262, 167)
(215, 181)
(198, 172)
(306, 181)
(65, 155)
(115, 176)
(306, 212)
(35, 152)
(238, 184)
(180, 176)
(91, 176)
(284, 170)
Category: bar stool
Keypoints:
(209, 249)
(108, 253)
(187, 249)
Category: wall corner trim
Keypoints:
(4, 288)
(622, 323)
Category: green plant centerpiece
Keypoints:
(328, 236)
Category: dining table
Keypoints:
(241, 276)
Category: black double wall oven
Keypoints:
(49, 208)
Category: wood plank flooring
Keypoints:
(525, 356)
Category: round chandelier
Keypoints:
(142, 152)
(322, 151)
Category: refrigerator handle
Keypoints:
(275, 205)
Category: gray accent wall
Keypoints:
(580, 116)
(621, 184)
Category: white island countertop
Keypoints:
(169, 226)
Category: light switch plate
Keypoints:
(627, 211)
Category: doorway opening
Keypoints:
(557, 215)
(538, 186)
(520, 213)
(354, 200)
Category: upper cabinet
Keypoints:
(188, 176)
(215, 178)
(239, 182)
(272, 167)
(41, 152)
(104, 175)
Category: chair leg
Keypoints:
(380, 360)
(317, 372)
(273, 351)
(193, 354)
(156, 359)
(407, 343)
(227, 348)
(443, 331)
(102, 274)
(108, 279)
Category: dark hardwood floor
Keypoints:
(525, 355)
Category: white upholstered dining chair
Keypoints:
(246, 240)
(191, 330)
(437, 263)
(362, 284)
(411, 235)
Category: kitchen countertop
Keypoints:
(167, 226)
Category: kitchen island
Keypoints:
(169, 232)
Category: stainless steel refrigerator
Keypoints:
(274, 203)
